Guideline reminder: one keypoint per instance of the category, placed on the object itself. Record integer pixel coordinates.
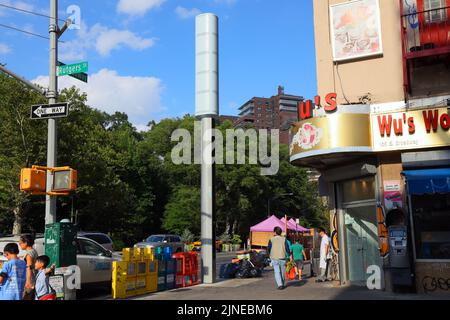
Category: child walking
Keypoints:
(42, 287)
(13, 274)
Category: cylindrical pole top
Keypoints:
(207, 65)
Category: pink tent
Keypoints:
(268, 225)
(299, 227)
(293, 226)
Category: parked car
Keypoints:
(94, 260)
(163, 240)
(103, 239)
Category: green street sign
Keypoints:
(67, 70)
(80, 76)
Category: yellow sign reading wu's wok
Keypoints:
(411, 130)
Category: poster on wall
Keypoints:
(392, 195)
(356, 29)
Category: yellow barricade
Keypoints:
(126, 254)
(152, 276)
(149, 253)
(138, 254)
(136, 274)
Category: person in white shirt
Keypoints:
(325, 256)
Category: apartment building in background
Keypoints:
(277, 112)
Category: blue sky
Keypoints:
(141, 52)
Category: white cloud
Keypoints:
(103, 40)
(139, 97)
(17, 4)
(138, 7)
(4, 48)
(142, 127)
(109, 40)
(23, 5)
(185, 13)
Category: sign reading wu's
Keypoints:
(417, 129)
(49, 111)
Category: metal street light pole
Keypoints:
(50, 201)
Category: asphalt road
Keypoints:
(105, 292)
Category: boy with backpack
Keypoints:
(43, 289)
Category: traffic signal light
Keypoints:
(64, 180)
(33, 180)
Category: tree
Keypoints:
(22, 143)
(182, 211)
(128, 185)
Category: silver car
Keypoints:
(102, 239)
(163, 240)
(95, 262)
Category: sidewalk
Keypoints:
(265, 289)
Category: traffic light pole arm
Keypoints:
(64, 28)
(23, 80)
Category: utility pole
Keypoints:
(207, 108)
(50, 201)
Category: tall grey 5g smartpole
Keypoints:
(207, 109)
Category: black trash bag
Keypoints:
(260, 260)
(247, 270)
(244, 270)
(228, 271)
(256, 272)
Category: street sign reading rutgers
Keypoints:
(66, 70)
(46, 111)
(77, 71)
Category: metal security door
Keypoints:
(361, 240)
(354, 248)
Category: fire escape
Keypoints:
(426, 47)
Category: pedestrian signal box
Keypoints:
(64, 180)
(33, 180)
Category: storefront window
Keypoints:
(358, 190)
(431, 215)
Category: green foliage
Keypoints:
(236, 239)
(128, 185)
(182, 211)
(119, 245)
(188, 236)
(224, 237)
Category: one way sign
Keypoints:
(49, 111)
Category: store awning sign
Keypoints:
(411, 130)
(429, 181)
(335, 133)
(306, 108)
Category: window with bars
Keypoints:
(435, 11)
